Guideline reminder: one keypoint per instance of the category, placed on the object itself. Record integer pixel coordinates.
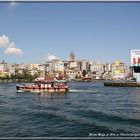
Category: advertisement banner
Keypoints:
(117, 72)
(135, 57)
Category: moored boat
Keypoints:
(43, 86)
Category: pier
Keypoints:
(122, 84)
(135, 65)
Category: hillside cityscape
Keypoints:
(70, 69)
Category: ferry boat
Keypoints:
(42, 85)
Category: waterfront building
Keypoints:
(107, 67)
(66, 64)
(32, 69)
(72, 64)
(86, 66)
(55, 65)
(54, 68)
(72, 68)
(130, 72)
(4, 69)
(107, 74)
(17, 69)
(97, 70)
(3, 66)
(118, 70)
(12, 69)
(79, 65)
(32, 66)
(72, 74)
(41, 70)
(49, 66)
(59, 66)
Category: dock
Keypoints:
(122, 84)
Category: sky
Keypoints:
(101, 32)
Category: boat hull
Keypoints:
(21, 88)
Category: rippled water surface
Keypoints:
(86, 108)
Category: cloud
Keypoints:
(51, 57)
(10, 47)
(47, 57)
(12, 50)
(4, 41)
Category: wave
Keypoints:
(113, 120)
(68, 118)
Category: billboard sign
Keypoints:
(135, 57)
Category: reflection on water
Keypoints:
(52, 95)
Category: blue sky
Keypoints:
(102, 32)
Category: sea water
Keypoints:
(89, 109)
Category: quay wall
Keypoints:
(122, 84)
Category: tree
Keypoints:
(84, 73)
(76, 77)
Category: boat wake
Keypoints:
(83, 91)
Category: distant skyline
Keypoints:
(102, 32)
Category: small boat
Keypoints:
(43, 86)
(86, 79)
(62, 81)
